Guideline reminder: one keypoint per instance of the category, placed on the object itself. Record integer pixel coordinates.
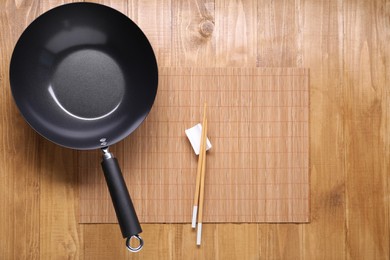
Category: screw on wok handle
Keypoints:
(124, 209)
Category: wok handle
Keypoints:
(124, 209)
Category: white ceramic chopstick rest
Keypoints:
(194, 135)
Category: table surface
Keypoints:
(345, 45)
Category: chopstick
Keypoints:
(201, 197)
(198, 172)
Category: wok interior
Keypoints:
(81, 73)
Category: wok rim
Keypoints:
(113, 139)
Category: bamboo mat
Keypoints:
(257, 170)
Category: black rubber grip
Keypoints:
(125, 212)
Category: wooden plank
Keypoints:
(257, 169)
(193, 41)
(236, 33)
(172, 241)
(280, 32)
(323, 34)
(105, 242)
(367, 128)
(19, 177)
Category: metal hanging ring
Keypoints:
(134, 249)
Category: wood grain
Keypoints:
(280, 29)
(367, 129)
(236, 33)
(327, 145)
(192, 28)
(257, 168)
(345, 45)
(19, 162)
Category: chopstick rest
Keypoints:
(194, 134)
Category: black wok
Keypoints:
(84, 76)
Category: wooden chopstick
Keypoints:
(198, 172)
(201, 196)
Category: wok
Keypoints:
(84, 76)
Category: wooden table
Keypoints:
(346, 46)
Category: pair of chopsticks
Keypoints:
(199, 186)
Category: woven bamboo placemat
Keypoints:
(257, 170)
